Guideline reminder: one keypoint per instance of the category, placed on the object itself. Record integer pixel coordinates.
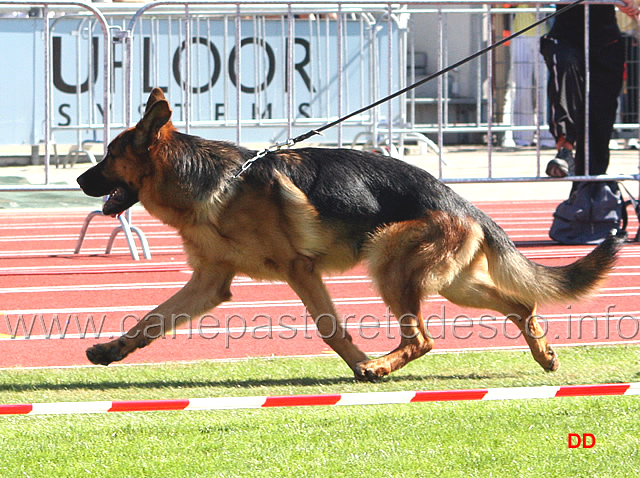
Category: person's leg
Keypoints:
(607, 66)
(565, 89)
(545, 139)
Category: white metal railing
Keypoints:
(47, 19)
(261, 71)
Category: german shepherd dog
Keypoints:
(297, 214)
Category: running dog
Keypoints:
(297, 214)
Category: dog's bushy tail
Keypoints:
(535, 283)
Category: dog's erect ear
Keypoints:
(155, 117)
(155, 96)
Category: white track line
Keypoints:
(91, 329)
(165, 249)
(97, 267)
(172, 264)
(241, 282)
(238, 282)
(608, 292)
(556, 253)
(373, 300)
(89, 237)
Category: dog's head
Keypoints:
(127, 162)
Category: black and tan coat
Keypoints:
(297, 214)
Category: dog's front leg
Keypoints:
(204, 291)
(310, 288)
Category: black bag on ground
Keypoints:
(589, 215)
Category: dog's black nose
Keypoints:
(93, 183)
(81, 181)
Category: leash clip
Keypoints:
(285, 144)
(261, 154)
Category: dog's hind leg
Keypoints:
(474, 288)
(204, 291)
(408, 261)
(309, 286)
(525, 318)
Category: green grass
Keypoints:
(509, 438)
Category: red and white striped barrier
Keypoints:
(366, 398)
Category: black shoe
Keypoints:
(562, 165)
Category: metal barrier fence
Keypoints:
(28, 92)
(506, 102)
(261, 71)
(269, 70)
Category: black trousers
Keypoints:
(566, 94)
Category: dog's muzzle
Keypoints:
(119, 196)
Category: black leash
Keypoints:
(291, 141)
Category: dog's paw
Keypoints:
(104, 354)
(554, 363)
(368, 372)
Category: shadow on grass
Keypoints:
(252, 384)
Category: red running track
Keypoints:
(54, 304)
